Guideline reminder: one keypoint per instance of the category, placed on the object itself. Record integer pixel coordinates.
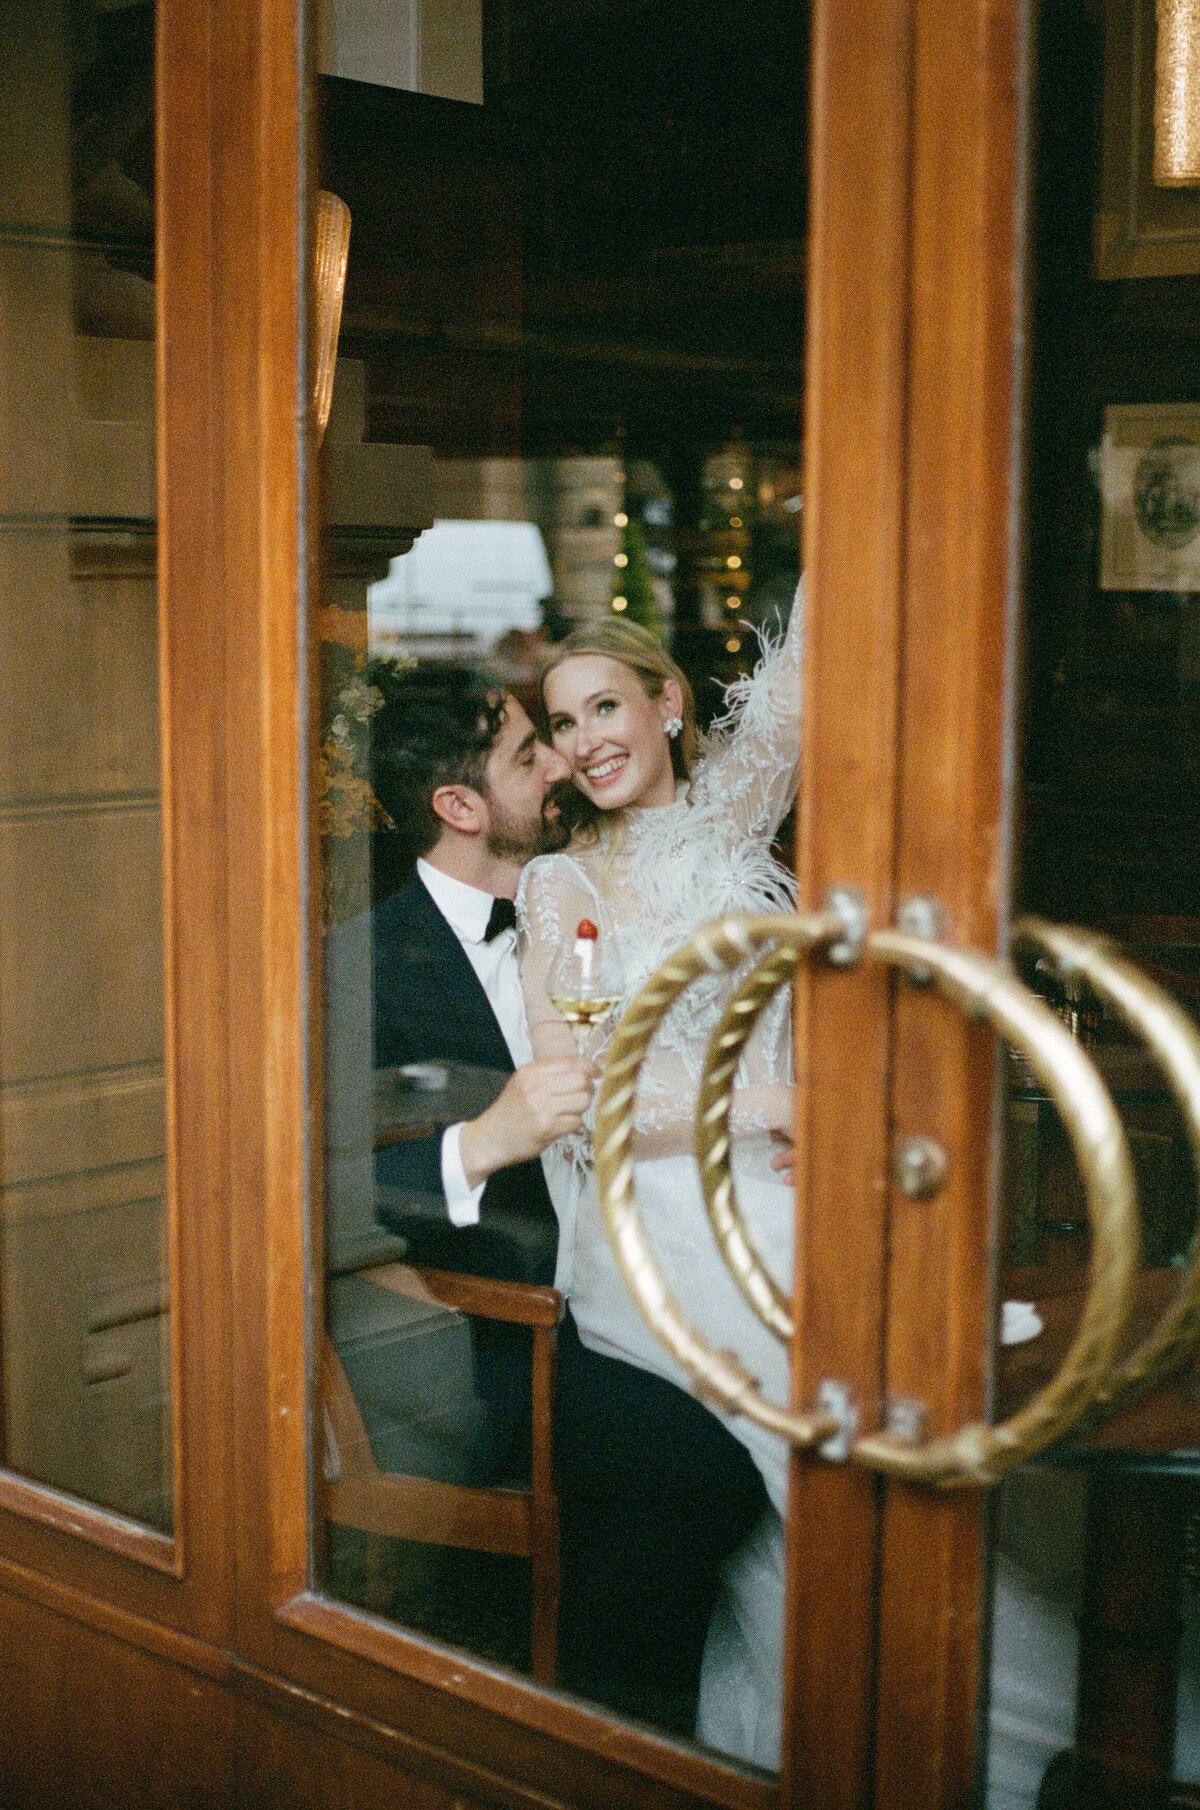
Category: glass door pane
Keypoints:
(1096, 1638)
(83, 1314)
(568, 397)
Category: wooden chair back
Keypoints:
(521, 1521)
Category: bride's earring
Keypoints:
(672, 726)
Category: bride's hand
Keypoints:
(781, 1122)
(771, 1109)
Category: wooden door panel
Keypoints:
(853, 551)
(907, 449)
(90, 1719)
(903, 794)
(953, 837)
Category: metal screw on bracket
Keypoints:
(838, 1399)
(907, 1420)
(847, 903)
(921, 917)
(919, 1167)
(925, 918)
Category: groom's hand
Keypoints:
(540, 1102)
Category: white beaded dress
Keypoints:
(649, 880)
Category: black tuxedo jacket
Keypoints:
(429, 1007)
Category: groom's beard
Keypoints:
(510, 839)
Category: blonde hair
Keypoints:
(636, 648)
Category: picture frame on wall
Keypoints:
(1149, 478)
(1141, 229)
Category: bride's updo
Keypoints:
(642, 652)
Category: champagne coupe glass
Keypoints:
(584, 981)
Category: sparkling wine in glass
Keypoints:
(584, 982)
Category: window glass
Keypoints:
(1092, 1613)
(83, 1312)
(567, 397)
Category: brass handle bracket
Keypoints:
(837, 1399)
(849, 907)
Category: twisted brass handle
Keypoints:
(717, 1375)
(743, 1012)
(977, 1454)
(1173, 1041)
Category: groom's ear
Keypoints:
(460, 808)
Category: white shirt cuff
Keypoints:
(462, 1200)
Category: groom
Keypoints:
(656, 1491)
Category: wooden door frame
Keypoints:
(912, 353)
(909, 451)
(912, 466)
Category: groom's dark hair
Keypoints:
(436, 727)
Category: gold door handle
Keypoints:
(1174, 1042)
(988, 990)
(717, 1375)
(734, 1238)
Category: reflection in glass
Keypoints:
(569, 390)
(1094, 1626)
(83, 1313)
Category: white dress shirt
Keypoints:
(467, 911)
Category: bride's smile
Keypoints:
(612, 731)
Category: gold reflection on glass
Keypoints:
(1177, 95)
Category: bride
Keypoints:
(676, 831)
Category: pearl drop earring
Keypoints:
(673, 725)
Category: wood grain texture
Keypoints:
(462, 1720)
(90, 1720)
(953, 847)
(854, 498)
(192, 654)
(104, 1708)
(908, 500)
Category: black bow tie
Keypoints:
(503, 916)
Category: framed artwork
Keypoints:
(1149, 477)
(1141, 230)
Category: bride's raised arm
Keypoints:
(751, 764)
